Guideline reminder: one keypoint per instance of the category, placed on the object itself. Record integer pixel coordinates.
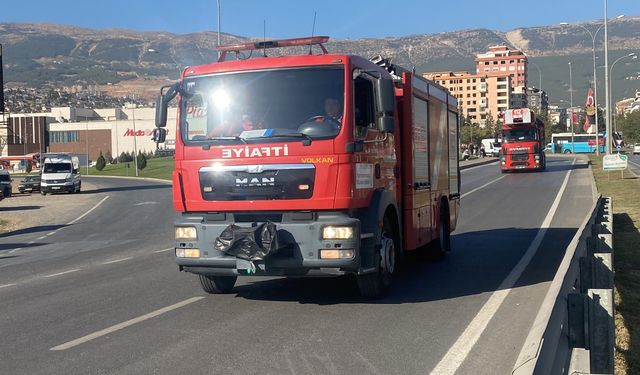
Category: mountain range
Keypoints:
(49, 55)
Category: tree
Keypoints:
(142, 161)
(101, 162)
(629, 125)
(108, 158)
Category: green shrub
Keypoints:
(101, 162)
(142, 161)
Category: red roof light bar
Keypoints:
(279, 43)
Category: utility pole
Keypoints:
(607, 136)
(571, 103)
(135, 136)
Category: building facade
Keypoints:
(501, 60)
(480, 96)
(85, 132)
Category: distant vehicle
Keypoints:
(5, 184)
(29, 184)
(60, 173)
(636, 149)
(567, 143)
(522, 141)
(491, 147)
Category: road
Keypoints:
(634, 164)
(103, 294)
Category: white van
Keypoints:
(60, 173)
(491, 147)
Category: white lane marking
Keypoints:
(62, 273)
(163, 250)
(145, 203)
(6, 285)
(457, 354)
(14, 250)
(482, 187)
(123, 325)
(88, 212)
(64, 226)
(117, 260)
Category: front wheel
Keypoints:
(567, 151)
(217, 284)
(375, 285)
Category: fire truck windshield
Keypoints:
(264, 106)
(519, 135)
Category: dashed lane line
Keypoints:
(62, 273)
(117, 260)
(482, 187)
(163, 250)
(120, 326)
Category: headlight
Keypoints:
(337, 233)
(186, 233)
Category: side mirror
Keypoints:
(159, 135)
(161, 112)
(162, 102)
(385, 104)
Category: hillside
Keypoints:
(38, 55)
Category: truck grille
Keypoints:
(257, 182)
(519, 157)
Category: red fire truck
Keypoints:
(309, 165)
(522, 141)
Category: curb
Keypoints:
(168, 182)
(484, 162)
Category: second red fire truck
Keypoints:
(522, 141)
(308, 165)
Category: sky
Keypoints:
(340, 19)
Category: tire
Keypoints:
(43, 193)
(567, 151)
(217, 284)
(377, 284)
(444, 231)
(7, 193)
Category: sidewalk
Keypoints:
(465, 164)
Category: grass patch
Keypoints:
(161, 168)
(4, 226)
(623, 189)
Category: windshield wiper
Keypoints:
(227, 138)
(306, 139)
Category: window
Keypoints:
(502, 101)
(502, 94)
(63, 136)
(364, 108)
(502, 87)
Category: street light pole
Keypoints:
(86, 121)
(571, 103)
(595, 80)
(135, 136)
(633, 56)
(218, 3)
(606, 82)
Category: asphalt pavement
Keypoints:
(102, 294)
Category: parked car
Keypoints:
(636, 149)
(5, 183)
(29, 184)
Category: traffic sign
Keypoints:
(614, 162)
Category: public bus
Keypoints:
(582, 143)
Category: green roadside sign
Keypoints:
(614, 162)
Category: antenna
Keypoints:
(313, 30)
(264, 37)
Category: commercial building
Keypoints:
(83, 131)
(501, 60)
(480, 96)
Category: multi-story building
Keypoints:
(480, 96)
(536, 99)
(501, 60)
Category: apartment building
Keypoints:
(479, 96)
(501, 60)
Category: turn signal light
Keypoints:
(336, 254)
(187, 253)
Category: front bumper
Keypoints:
(57, 188)
(299, 232)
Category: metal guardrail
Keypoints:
(573, 332)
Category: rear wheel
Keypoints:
(217, 284)
(43, 193)
(567, 151)
(377, 284)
